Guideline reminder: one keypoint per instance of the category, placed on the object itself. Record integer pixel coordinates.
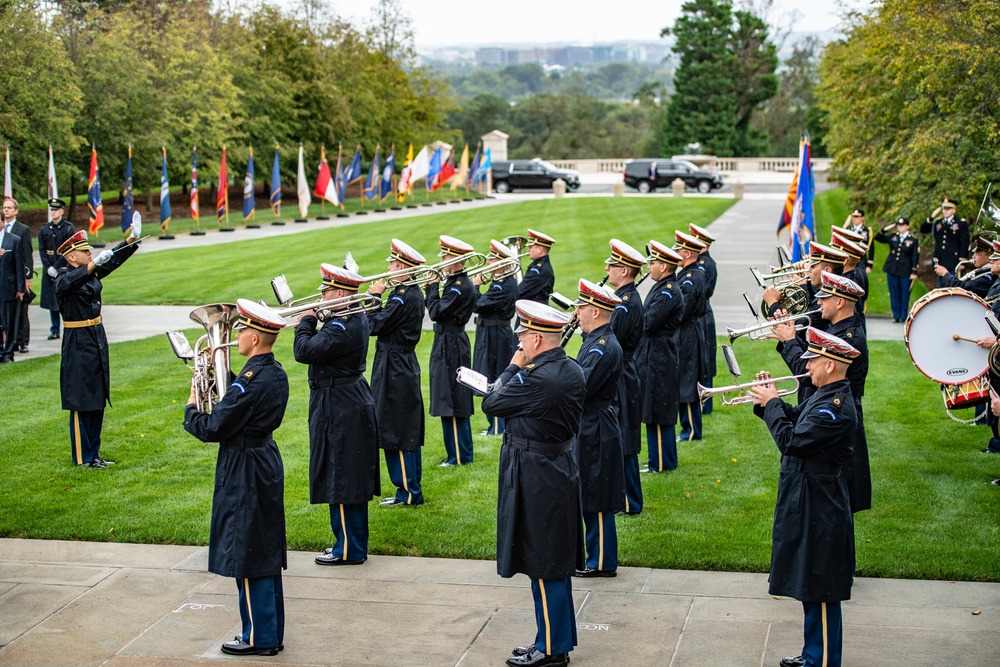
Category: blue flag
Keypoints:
(434, 169)
(475, 166)
(388, 171)
(275, 186)
(350, 174)
(803, 217)
(248, 207)
(128, 207)
(164, 195)
(484, 167)
(372, 182)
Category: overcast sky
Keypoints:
(583, 21)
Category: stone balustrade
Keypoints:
(725, 164)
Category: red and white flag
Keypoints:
(8, 192)
(303, 187)
(326, 186)
(53, 189)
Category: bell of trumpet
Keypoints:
(762, 331)
(739, 391)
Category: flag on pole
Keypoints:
(164, 194)
(53, 190)
(326, 187)
(469, 175)
(302, 187)
(248, 207)
(388, 171)
(275, 185)
(372, 182)
(8, 192)
(463, 169)
(128, 203)
(194, 185)
(484, 167)
(338, 176)
(403, 187)
(222, 200)
(434, 170)
(447, 170)
(353, 171)
(95, 206)
(803, 227)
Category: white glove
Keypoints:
(51, 271)
(103, 258)
(136, 225)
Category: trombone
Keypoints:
(762, 331)
(506, 267)
(477, 259)
(328, 308)
(418, 274)
(742, 397)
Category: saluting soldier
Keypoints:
(539, 279)
(598, 447)
(854, 265)
(855, 223)
(399, 401)
(981, 278)
(707, 265)
(658, 364)
(621, 268)
(450, 307)
(812, 545)
(900, 265)
(494, 308)
(541, 396)
(343, 441)
(951, 234)
(691, 335)
(52, 235)
(84, 369)
(247, 536)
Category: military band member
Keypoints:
(494, 308)
(980, 279)
(951, 234)
(343, 441)
(855, 223)
(399, 400)
(658, 364)
(247, 536)
(987, 342)
(84, 370)
(854, 265)
(812, 546)
(621, 268)
(539, 278)
(900, 265)
(450, 307)
(691, 335)
(541, 396)
(50, 237)
(706, 263)
(14, 226)
(822, 259)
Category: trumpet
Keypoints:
(742, 397)
(783, 275)
(328, 308)
(762, 331)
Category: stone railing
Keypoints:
(725, 164)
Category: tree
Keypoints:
(755, 81)
(793, 109)
(391, 31)
(481, 114)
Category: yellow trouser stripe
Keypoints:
(343, 528)
(246, 591)
(458, 450)
(600, 540)
(76, 437)
(826, 639)
(690, 424)
(659, 447)
(496, 425)
(545, 614)
(402, 466)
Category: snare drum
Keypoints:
(967, 394)
(934, 320)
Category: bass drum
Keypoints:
(931, 329)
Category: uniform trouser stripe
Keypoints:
(659, 447)
(826, 637)
(75, 425)
(691, 423)
(545, 614)
(600, 540)
(454, 430)
(343, 522)
(402, 466)
(246, 588)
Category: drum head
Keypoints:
(930, 329)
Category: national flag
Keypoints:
(338, 177)
(248, 207)
(785, 220)
(302, 187)
(403, 187)
(469, 175)
(803, 225)
(326, 187)
(128, 203)
(53, 190)
(463, 169)
(194, 184)
(222, 200)
(351, 173)
(388, 171)
(433, 170)
(447, 170)
(372, 182)
(8, 192)
(275, 185)
(484, 167)
(95, 206)
(164, 194)
(420, 166)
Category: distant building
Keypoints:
(491, 55)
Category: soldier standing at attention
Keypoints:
(708, 266)
(539, 278)
(495, 341)
(691, 337)
(50, 237)
(900, 266)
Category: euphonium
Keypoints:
(741, 397)
(210, 354)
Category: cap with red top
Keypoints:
(822, 344)
(452, 247)
(500, 251)
(537, 238)
(849, 234)
(981, 243)
(662, 253)
(76, 242)
(834, 285)
(701, 234)
(253, 315)
(996, 250)
(624, 254)
(401, 252)
(687, 242)
(819, 253)
(540, 317)
(596, 295)
(335, 277)
(855, 250)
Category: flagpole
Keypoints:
(361, 190)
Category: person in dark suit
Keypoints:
(541, 395)
(539, 279)
(691, 335)
(812, 545)
(21, 230)
(343, 437)
(247, 536)
(50, 237)
(495, 341)
(951, 234)
(395, 379)
(12, 288)
(450, 308)
(900, 265)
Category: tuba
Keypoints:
(210, 354)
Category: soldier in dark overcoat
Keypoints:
(494, 308)
(993, 298)
(343, 440)
(812, 543)
(84, 370)
(247, 536)
(539, 534)
(395, 380)
(539, 278)
(598, 444)
(900, 265)
(450, 307)
(854, 266)
(691, 335)
(951, 234)
(621, 268)
(658, 364)
(706, 264)
(52, 235)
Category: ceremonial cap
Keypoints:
(335, 277)
(257, 316)
(849, 234)
(948, 201)
(596, 295)
(981, 243)
(402, 252)
(855, 250)
(903, 221)
(658, 251)
(56, 203)
(834, 285)
(624, 254)
(996, 250)
(819, 253)
(687, 242)
(534, 316)
(537, 238)
(450, 246)
(499, 251)
(76, 242)
(822, 344)
(858, 211)
(701, 234)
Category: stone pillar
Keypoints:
(618, 189)
(559, 188)
(738, 190)
(678, 187)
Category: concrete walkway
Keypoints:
(85, 603)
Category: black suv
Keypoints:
(646, 175)
(534, 174)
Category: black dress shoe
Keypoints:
(22, 349)
(535, 658)
(794, 661)
(327, 558)
(54, 336)
(103, 462)
(591, 572)
(96, 463)
(523, 650)
(240, 647)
